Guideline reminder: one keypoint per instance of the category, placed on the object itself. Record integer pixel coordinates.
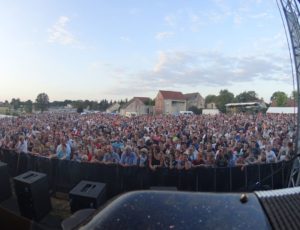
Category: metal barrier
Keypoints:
(63, 175)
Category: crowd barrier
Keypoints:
(63, 175)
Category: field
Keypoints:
(3, 110)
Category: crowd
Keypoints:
(181, 142)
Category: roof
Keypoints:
(116, 104)
(243, 104)
(190, 95)
(173, 95)
(286, 110)
(143, 99)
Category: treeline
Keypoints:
(278, 98)
(43, 103)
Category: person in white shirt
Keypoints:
(270, 155)
(21, 146)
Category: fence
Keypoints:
(63, 175)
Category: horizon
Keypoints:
(117, 50)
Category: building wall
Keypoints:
(136, 106)
(174, 106)
(197, 101)
(114, 107)
(211, 106)
(159, 104)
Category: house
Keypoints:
(114, 108)
(194, 100)
(138, 106)
(211, 105)
(169, 102)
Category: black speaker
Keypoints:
(33, 194)
(5, 189)
(87, 194)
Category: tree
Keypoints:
(210, 98)
(247, 96)
(42, 102)
(195, 110)
(80, 109)
(294, 95)
(279, 98)
(223, 98)
(150, 102)
(28, 106)
(15, 103)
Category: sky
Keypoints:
(117, 49)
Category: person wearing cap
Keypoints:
(142, 157)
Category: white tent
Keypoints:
(210, 111)
(285, 110)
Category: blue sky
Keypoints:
(123, 48)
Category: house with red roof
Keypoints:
(169, 102)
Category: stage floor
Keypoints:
(60, 210)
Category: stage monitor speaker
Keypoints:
(33, 195)
(87, 194)
(5, 189)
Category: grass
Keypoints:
(3, 110)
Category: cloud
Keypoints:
(163, 35)
(58, 32)
(170, 20)
(125, 39)
(181, 69)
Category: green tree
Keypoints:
(42, 102)
(223, 98)
(15, 103)
(195, 110)
(210, 98)
(150, 102)
(79, 105)
(247, 96)
(79, 109)
(28, 106)
(280, 98)
(294, 95)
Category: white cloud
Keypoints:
(163, 35)
(187, 69)
(162, 59)
(59, 32)
(170, 20)
(125, 39)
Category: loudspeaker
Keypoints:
(33, 194)
(5, 189)
(87, 194)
